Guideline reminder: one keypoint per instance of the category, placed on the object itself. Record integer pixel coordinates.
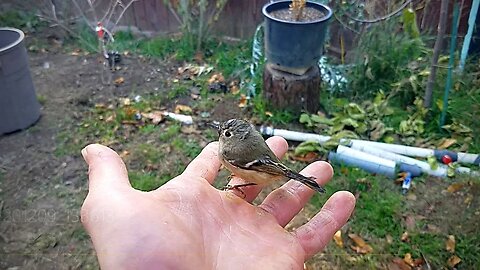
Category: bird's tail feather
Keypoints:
(308, 181)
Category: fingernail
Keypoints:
(85, 154)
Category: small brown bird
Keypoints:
(245, 154)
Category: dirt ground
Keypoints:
(40, 192)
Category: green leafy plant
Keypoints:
(384, 57)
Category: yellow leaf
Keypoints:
(468, 200)
(124, 154)
(338, 238)
(361, 246)
(125, 101)
(454, 260)
(404, 237)
(179, 109)
(110, 119)
(450, 244)
(454, 187)
(156, 116)
(408, 259)
(216, 78)
(447, 143)
(243, 101)
(234, 89)
(119, 80)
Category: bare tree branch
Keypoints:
(111, 6)
(80, 11)
(388, 16)
(427, 100)
(122, 13)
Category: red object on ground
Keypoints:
(446, 159)
(100, 31)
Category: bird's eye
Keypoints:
(228, 134)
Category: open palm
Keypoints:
(188, 224)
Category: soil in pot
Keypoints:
(309, 14)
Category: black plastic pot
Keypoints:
(292, 44)
(19, 107)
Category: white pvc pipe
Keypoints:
(186, 119)
(395, 148)
(294, 135)
(364, 161)
(343, 150)
(441, 171)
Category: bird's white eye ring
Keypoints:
(227, 134)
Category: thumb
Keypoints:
(106, 170)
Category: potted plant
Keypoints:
(294, 34)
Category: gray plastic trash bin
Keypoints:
(19, 107)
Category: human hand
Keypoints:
(188, 224)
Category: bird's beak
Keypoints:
(215, 125)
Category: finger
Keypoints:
(106, 170)
(285, 202)
(206, 164)
(279, 146)
(315, 234)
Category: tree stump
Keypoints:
(296, 93)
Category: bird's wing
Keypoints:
(273, 167)
(263, 164)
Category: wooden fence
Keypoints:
(240, 18)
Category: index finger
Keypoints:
(316, 233)
(206, 164)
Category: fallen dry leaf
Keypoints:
(243, 101)
(468, 200)
(308, 157)
(156, 116)
(111, 118)
(408, 259)
(125, 101)
(454, 187)
(417, 262)
(337, 237)
(447, 143)
(389, 239)
(450, 244)
(410, 222)
(100, 106)
(400, 264)
(453, 261)
(216, 78)
(119, 80)
(124, 153)
(234, 89)
(361, 246)
(182, 109)
(404, 237)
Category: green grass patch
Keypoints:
(170, 132)
(189, 148)
(150, 153)
(147, 181)
(26, 21)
